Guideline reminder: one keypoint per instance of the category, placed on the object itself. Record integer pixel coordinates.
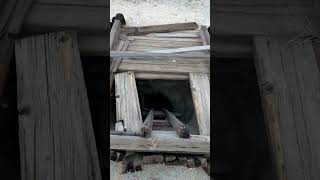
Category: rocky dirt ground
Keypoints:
(158, 172)
(151, 12)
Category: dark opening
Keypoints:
(173, 95)
(95, 75)
(241, 149)
(9, 128)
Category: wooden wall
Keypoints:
(289, 81)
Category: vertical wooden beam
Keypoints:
(127, 102)
(289, 81)
(200, 89)
(56, 134)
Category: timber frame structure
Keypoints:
(160, 52)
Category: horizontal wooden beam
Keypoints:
(254, 3)
(98, 3)
(162, 141)
(233, 47)
(163, 68)
(139, 54)
(183, 49)
(261, 24)
(45, 18)
(162, 76)
(268, 10)
(160, 28)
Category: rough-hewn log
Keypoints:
(179, 127)
(162, 141)
(55, 127)
(289, 81)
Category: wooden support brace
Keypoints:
(147, 125)
(179, 127)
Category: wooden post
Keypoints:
(179, 127)
(289, 82)
(200, 89)
(127, 102)
(55, 128)
(147, 125)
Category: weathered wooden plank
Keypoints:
(44, 18)
(116, 61)
(160, 28)
(163, 44)
(21, 9)
(178, 126)
(114, 33)
(233, 46)
(127, 102)
(159, 39)
(162, 141)
(56, 134)
(259, 24)
(98, 3)
(290, 84)
(138, 54)
(205, 36)
(147, 124)
(200, 89)
(163, 76)
(183, 49)
(164, 68)
(284, 3)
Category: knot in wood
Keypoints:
(267, 88)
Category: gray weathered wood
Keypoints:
(147, 124)
(290, 84)
(162, 141)
(200, 89)
(205, 36)
(115, 62)
(127, 102)
(149, 55)
(184, 49)
(44, 18)
(114, 33)
(55, 130)
(160, 28)
(178, 126)
(98, 3)
(163, 68)
(164, 76)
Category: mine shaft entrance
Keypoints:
(173, 95)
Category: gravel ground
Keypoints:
(158, 172)
(151, 12)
